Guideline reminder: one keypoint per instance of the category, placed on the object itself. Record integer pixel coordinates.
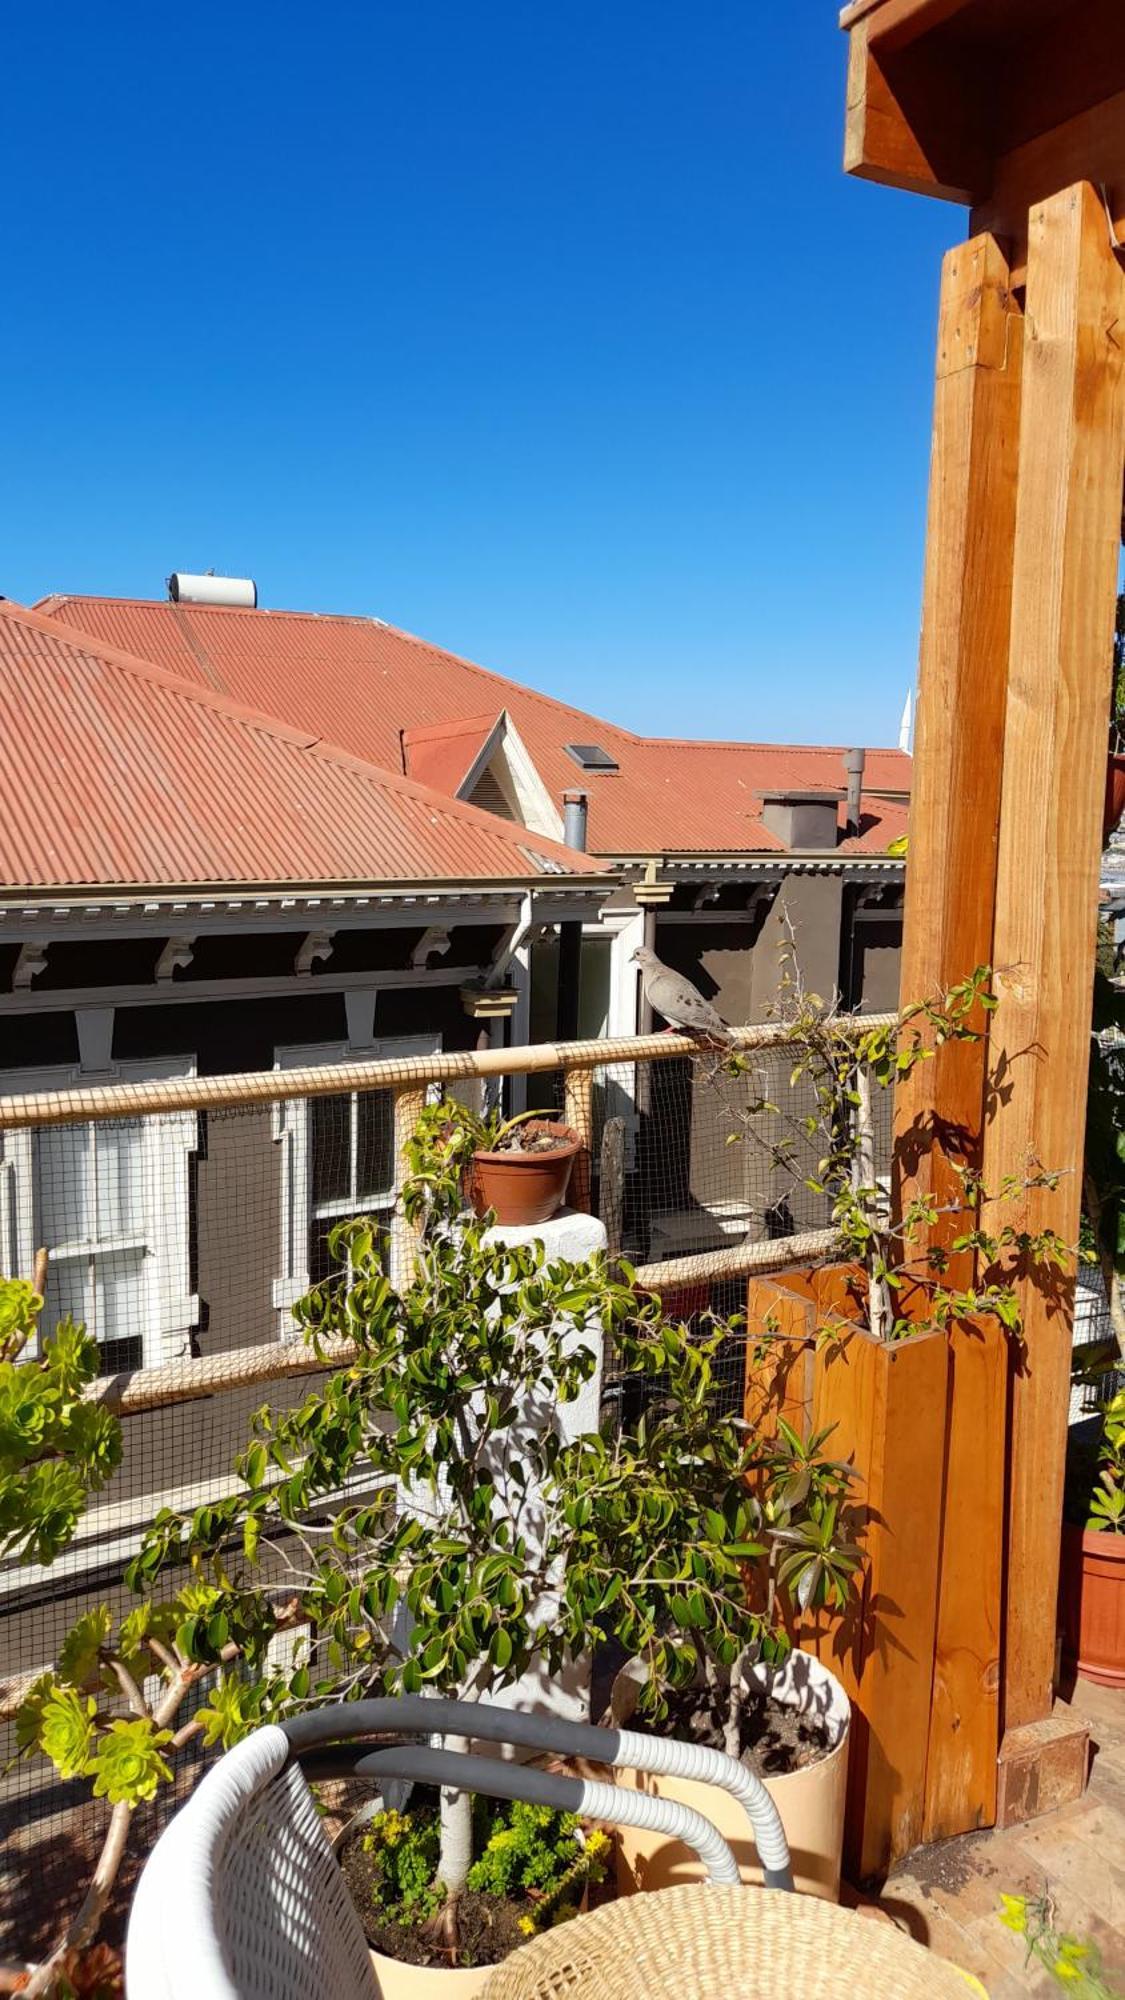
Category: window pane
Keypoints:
(375, 1166)
(63, 1172)
(119, 1296)
(119, 1179)
(330, 1143)
(66, 1291)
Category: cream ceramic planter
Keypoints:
(810, 1801)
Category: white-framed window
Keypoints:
(110, 1201)
(337, 1160)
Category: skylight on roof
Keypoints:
(591, 756)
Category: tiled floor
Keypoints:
(948, 1896)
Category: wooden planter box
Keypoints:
(923, 1422)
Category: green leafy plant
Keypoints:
(527, 1853)
(824, 1141)
(56, 1447)
(1107, 1501)
(691, 1532)
(481, 1543)
(449, 1133)
(1071, 1962)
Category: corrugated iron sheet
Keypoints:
(337, 675)
(120, 773)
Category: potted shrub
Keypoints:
(488, 1545)
(699, 1533)
(516, 1168)
(446, 1576)
(1092, 1580)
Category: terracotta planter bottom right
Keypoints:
(1092, 1605)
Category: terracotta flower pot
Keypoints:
(1092, 1604)
(810, 1801)
(1114, 793)
(525, 1188)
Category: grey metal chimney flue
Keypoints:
(574, 819)
(854, 761)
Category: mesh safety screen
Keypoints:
(183, 1238)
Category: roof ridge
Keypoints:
(82, 643)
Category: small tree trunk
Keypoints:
(732, 1728)
(864, 1177)
(456, 1857)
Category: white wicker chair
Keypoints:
(242, 1897)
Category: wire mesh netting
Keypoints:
(183, 1239)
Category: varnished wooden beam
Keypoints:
(962, 691)
(1067, 538)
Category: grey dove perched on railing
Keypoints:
(681, 1003)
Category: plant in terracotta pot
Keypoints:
(517, 1169)
(1092, 1580)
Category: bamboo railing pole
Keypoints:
(408, 1107)
(578, 1113)
(271, 1086)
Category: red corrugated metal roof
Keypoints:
(444, 755)
(125, 774)
(366, 680)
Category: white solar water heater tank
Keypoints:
(240, 591)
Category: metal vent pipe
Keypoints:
(575, 815)
(854, 761)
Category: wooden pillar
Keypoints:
(1064, 582)
(955, 808)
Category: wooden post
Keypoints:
(955, 808)
(1064, 583)
(409, 1105)
(964, 1732)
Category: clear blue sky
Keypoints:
(554, 333)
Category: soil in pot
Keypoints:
(532, 1870)
(775, 1737)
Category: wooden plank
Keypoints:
(887, 135)
(955, 810)
(886, 1408)
(886, 1799)
(1090, 146)
(1067, 540)
(964, 1736)
(780, 1343)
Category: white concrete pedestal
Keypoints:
(569, 1237)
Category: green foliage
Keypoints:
(126, 1764)
(1070, 1961)
(531, 1851)
(1107, 1502)
(524, 1851)
(55, 1447)
(66, 1729)
(671, 1516)
(910, 1255)
(405, 1848)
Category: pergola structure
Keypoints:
(1016, 109)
